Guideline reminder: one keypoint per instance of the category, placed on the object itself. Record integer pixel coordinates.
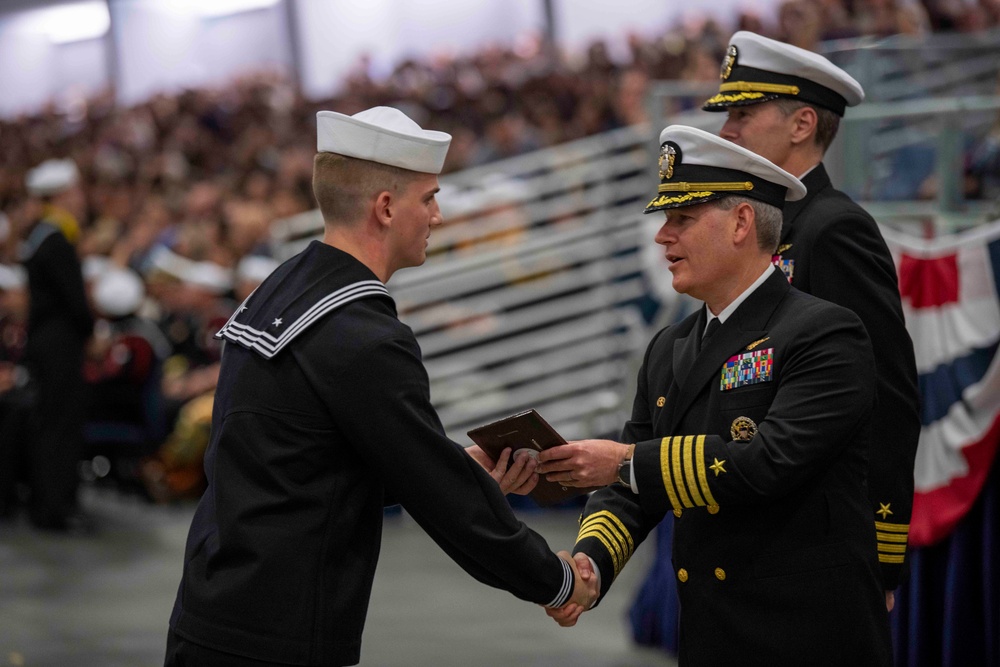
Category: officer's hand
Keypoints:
(583, 463)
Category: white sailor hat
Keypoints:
(384, 135)
(696, 166)
(118, 292)
(757, 69)
(205, 274)
(52, 177)
(12, 276)
(208, 275)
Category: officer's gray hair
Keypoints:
(768, 219)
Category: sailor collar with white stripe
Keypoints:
(299, 293)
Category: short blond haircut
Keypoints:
(345, 186)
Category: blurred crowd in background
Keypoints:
(171, 204)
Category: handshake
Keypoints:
(585, 591)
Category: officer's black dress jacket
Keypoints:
(322, 416)
(774, 547)
(835, 251)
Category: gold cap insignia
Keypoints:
(668, 157)
(728, 62)
(661, 401)
(743, 429)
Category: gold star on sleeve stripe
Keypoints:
(682, 467)
(891, 539)
(608, 529)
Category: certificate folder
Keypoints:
(526, 430)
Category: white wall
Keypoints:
(165, 46)
(36, 71)
(335, 33)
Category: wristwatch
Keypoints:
(625, 468)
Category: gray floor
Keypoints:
(103, 601)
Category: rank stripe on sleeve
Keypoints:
(689, 476)
(612, 533)
(676, 446)
(891, 538)
(682, 467)
(699, 458)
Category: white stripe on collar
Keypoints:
(267, 345)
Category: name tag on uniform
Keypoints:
(747, 368)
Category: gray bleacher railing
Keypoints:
(533, 293)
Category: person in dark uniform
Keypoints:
(16, 389)
(59, 325)
(322, 417)
(750, 424)
(785, 103)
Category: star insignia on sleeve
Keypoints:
(717, 466)
(884, 511)
(277, 322)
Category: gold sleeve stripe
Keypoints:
(668, 483)
(607, 545)
(678, 472)
(882, 558)
(605, 530)
(890, 537)
(607, 517)
(699, 459)
(892, 527)
(621, 556)
(892, 548)
(608, 538)
(609, 531)
(689, 479)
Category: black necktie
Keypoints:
(709, 330)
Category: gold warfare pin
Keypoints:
(743, 429)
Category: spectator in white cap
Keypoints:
(749, 433)
(125, 416)
(59, 324)
(322, 417)
(785, 104)
(56, 184)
